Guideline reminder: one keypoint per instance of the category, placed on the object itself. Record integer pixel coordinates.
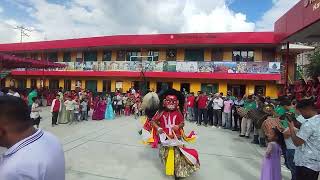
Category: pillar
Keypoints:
(60, 56)
(100, 55)
(257, 55)
(28, 83)
(176, 85)
(73, 56)
(144, 52)
(126, 85)
(153, 86)
(100, 85)
(195, 87)
(113, 56)
(180, 54)
(61, 83)
(207, 54)
(113, 85)
(7, 82)
(83, 84)
(271, 90)
(46, 82)
(223, 87)
(227, 54)
(73, 84)
(249, 88)
(162, 54)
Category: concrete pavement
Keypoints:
(108, 150)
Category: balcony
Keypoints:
(166, 69)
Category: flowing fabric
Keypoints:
(62, 118)
(271, 166)
(109, 111)
(99, 111)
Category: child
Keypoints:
(84, 106)
(136, 109)
(69, 109)
(35, 115)
(271, 166)
(76, 111)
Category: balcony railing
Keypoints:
(174, 66)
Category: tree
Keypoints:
(313, 68)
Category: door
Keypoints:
(162, 86)
(91, 85)
(185, 86)
(260, 90)
(209, 88)
(53, 84)
(67, 85)
(237, 90)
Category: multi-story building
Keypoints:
(243, 63)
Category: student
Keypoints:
(76, 112)
(35, 115)
(271, 166)
(55, 109)
(84, 108)
(69, 109)
(32, 153)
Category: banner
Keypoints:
(187, 67)
(274, 67)
(205, 67)
(225, 67)
(169, 66)
(155, 66)
(257, 67)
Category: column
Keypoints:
(60, 56)
(176, 85)
(180, 54)
(195, 87)
(100, 55)
(113, 55)
(257, 55)
(162, 54)
(28, 83)
(153, 86)
(73, 56)
(223, 87)
(249, 88)
(113, 85)
(100, 85)
(83, 84)
(73, 84)
(271, 90)
(227, 54)
(61, 83)
(207, 54)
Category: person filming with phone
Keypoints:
(307, 141)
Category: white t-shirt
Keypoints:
(289, 142)
(34, 115)
(37, 157)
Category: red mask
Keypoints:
(171, 102)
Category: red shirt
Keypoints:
(176, 118)
(202, 102)
(190, 101)
(56, 107)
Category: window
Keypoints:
(106, 86)
(133, 53)
(171, 55)
(67, 85)
(121, 55)
(268, 55)
(33, 83)
(66, 57)
(53, 84)
(217, 55)
(209, 88)
(242, 55)
(52, 56)
(155, 54)
(194, 55)
(21, 84)
(90, 56)
(107, 55)
(91, 85)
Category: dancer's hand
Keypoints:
(175, 127)
(160, 130)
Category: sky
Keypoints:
(64, 19)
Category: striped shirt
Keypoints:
(39, 157)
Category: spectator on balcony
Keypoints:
(202, 108)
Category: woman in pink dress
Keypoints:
(271, 166)
(99, 109)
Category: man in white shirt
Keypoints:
(32, 153)
(307, 140)
(217, 107)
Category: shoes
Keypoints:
(255, 139)
(241, 135)
(234, 129)
(247, 137)
(52, 125)
(205, 125)
(57, 124)
(219, 127)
